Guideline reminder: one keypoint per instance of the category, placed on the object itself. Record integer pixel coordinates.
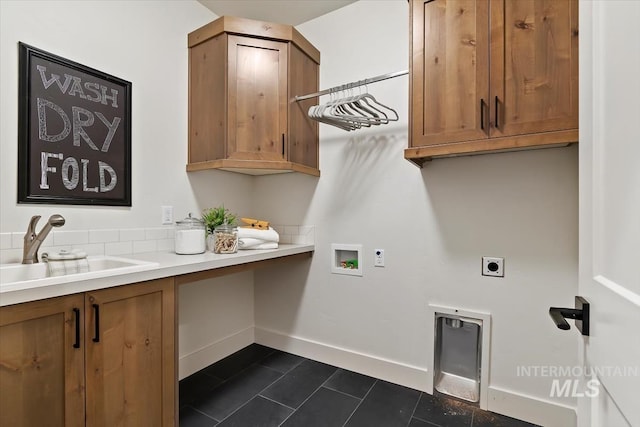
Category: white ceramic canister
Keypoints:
(190, 236)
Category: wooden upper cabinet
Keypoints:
(450, 74)
(257, 99)
(534, 66)
(492, 75)
(242, 77)
(42, 363)
(304, 77)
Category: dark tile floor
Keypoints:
(262, 387)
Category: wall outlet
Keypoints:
(167, 215)
(378, 260)
(492, 266)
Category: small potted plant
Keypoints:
(214, 218)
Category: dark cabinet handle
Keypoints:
(283, 145)
(482, 104)
(96, 310)
(497, 126)
(76, 344)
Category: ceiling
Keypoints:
(292, 12)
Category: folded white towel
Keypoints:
(264, 245)
(249, 243)
(269, 235)
(68, 266)
(66, 262)
(64, 254)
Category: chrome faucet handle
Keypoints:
(56, 220)
(32, 241)
(31, 228)
(29, 240)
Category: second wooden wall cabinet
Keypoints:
(242, 76)
(492, 75)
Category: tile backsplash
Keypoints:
(125, 241)
(296, 234)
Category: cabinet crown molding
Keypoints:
(253, 28)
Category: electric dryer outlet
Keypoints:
(492, 266)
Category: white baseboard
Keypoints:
(531, 409)
(388, 370)
(506, 402)
(205, 356)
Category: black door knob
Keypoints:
(580, 314)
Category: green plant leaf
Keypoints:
(214, 217)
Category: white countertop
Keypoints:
(162, 264)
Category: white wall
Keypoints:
(144, 42)
(140, 41)
(435, 224)
(216, 320)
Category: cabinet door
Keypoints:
(449, 71)
(257, 99)
(131, 369)
(303, 132)
(42, 363)
(208, 100)
(534, 66)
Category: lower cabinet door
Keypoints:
(131, 364)
(42, 363)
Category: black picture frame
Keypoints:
(74, 132)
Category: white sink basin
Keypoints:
(99, 266)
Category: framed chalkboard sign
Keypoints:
(74, 132)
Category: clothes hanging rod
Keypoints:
(352, 85)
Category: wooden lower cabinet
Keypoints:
(41, 371)
(123, 372)
(130, 357)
